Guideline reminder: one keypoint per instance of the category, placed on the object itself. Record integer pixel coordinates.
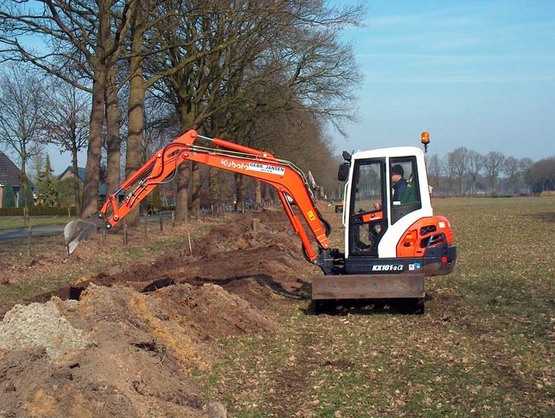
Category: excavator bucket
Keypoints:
(78, 230)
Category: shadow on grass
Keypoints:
(401, 306)
(546, 217)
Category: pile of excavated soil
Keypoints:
(128, 346)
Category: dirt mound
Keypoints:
(129, 345)
(118, 352)
(255, 245)
(40, 326)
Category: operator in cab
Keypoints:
(398, 185)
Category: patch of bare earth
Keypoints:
(128, 345)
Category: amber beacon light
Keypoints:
(425, 139)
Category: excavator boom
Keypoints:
(290, 183)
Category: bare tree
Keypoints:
(475, 165)
(211, 53)
(435, 171)
(22, 104)
(235, 48)
(459, 159)
(524, 166)
(67, 126)
(541, 175)
(511, 169)
(493, 164)
(82, 40)
(37, 163)
(289, 83)
(322, 73)
(204, 43)
(143, 44)
(450, 172)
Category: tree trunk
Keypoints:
(258, 192)
(94, 151)
(184, 175)
(113, 142)
(135, 112)
(182, 194)
(240, 193)
(24, 188)
(268, 199)
(195, 189)
(214, 188)
(135, 135)
(92, 169)
(76, 181)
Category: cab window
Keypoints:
(405, 192)
(368, 186)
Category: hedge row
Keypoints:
(39, 211)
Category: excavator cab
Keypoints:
(383, 190)
(392, 238)
(386, 197)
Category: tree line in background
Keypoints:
(124, 77)
(467, 172)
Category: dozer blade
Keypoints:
(78, 230)
(368, 286)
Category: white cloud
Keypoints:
(458, 79)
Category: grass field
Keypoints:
(485, 346)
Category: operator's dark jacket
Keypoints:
(399, 189)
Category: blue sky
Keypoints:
(474, 73)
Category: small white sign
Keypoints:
(267, 168)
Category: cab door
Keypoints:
(367, 221)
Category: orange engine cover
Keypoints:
(428, 231)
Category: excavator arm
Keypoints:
(288, 180)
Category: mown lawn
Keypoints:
(13, 222)
(484, 348)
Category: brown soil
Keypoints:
(129, 344)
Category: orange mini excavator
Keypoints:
(392, 238)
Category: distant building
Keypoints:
(11, 175)
(68, 174)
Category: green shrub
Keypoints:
(8, 198)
